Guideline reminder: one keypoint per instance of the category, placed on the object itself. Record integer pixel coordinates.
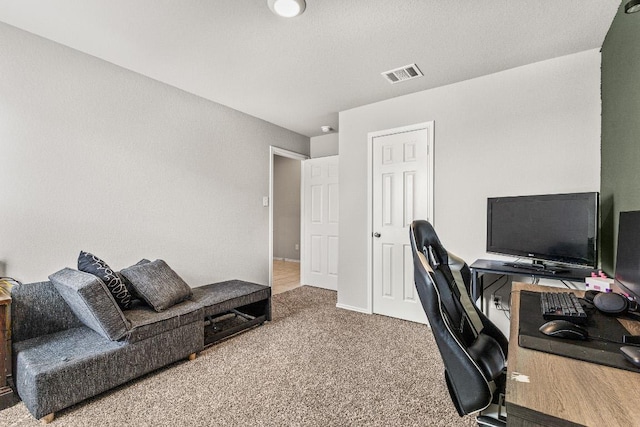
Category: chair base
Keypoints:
(495, 415)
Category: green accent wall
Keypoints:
(620, 157)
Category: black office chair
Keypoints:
(473, 349)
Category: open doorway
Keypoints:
(285, 220)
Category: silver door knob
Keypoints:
(376, 234)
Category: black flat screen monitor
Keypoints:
(556, 228)
(628, 255)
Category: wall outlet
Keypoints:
(497, 300)
(297, 247)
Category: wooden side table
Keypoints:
(7, 396)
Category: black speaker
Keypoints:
(611, 303)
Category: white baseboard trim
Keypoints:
(287, 260)
(352, 308)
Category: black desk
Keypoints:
(482, 266)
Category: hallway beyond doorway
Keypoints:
(286, 276)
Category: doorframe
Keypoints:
(429, 126)
(277, 151)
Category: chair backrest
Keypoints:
(473, 349)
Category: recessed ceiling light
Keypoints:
(287, 8)
(632, 6)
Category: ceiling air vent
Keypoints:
(402, 74)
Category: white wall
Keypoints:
(98, 158)
(324, 145)
(530, 130)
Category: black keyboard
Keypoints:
(562, 306)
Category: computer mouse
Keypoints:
(632, 354)
(564, 329)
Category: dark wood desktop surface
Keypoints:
(588, 394)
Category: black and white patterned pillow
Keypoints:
(90, 263)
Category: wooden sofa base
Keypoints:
(47, 418)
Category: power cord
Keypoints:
(497, 301)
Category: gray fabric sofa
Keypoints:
(72, 342)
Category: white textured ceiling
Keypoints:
(299, 73)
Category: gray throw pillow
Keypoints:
(128, 284)
(91, 302)
(157, 284)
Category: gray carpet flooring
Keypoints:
(313, 365)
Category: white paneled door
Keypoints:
(402, 175)
(321, 222)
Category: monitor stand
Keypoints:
(536, 266)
